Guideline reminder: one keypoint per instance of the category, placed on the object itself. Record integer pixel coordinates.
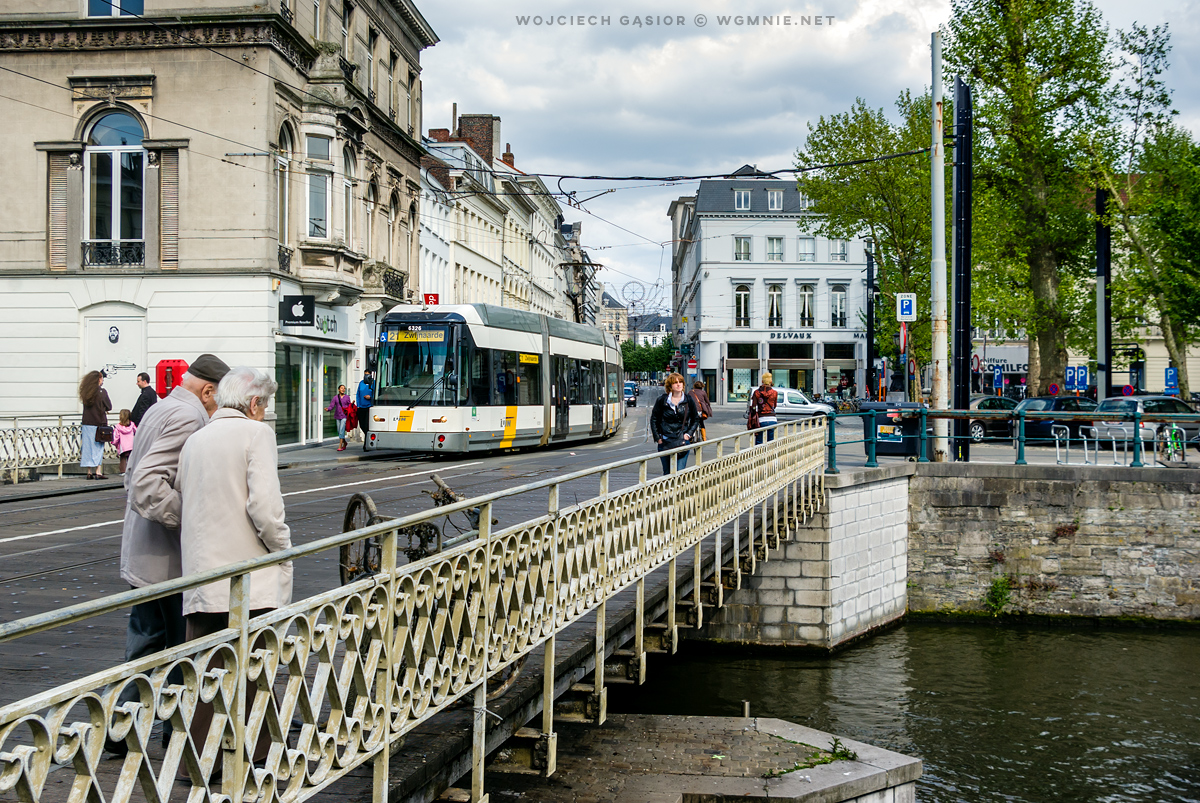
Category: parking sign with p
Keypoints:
(906, 307)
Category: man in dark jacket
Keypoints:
(674, 421)
(146, 399)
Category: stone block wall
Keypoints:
(843, 574)
(1068, 540)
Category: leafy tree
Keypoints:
(1039, 70)
(647, 359)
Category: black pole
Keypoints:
(872, 380)
(1104, 355)
(963, 347)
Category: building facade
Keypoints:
(614, 316)
(752, 292)
(191, 176)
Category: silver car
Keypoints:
(796, 404)
(1146, 405)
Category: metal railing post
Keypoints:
(234, 758)
(479, 718)
(62, 447)
(923, 439)
(1137, 440)
(384, 675)
(871, 439)
(1021, 439)
(831, 441)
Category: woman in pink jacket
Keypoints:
(123, 438)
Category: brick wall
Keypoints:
(1070, 540)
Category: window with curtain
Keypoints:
(837, 306)
(774, 249)
(372, 205)
(317, 150)
(348, 168)
(741, 249)
(806, 305)
(775, 305)
(837, 250)
(807, 249)
(741, 306)
(741, 200)
(775, 200)
(114, 187)
(282, 177)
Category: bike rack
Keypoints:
(1124, 443)
(1062, 445)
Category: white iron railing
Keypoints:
(343, 675)
(38, 441)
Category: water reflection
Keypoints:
(996, 714)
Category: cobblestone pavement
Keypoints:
(600, 764)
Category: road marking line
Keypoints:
(291, 493)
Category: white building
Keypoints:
(753, 293)
(436, 232)
(651, 330)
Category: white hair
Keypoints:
(241, 385)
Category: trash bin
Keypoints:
(893, 437)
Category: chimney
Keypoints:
(482, 131)
(439, 134)
(454, 118)
(508, 157)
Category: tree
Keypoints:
(885, 201)
(1039, 70)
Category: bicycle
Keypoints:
(1170, 444)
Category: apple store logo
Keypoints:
(298, 311)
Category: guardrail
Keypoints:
(343, 675)
(1164, 436)
(37, 441)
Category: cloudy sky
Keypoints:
(701, 97)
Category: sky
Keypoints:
(689, 91)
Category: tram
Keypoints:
(479, 377)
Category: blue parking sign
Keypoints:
(997, 377)
(1172, 377)
(1071, 378)
(1081, 378)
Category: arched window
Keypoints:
(775, 305)
(348, 167)
(372, 205)
(115, 185)
(837, 306)
(741, 306)
(282, 182)
(393, 215)
(806, 305)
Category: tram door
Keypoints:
(560, 396)
(598, 392)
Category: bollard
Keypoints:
(1021, 439)
(1137, 440)
(923, 457)
(831, 440)
(746, 709)
(871, 438)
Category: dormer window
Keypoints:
(741, 200)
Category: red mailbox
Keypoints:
(168, 375)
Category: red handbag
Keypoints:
(351, 415)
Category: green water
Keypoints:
(1029, 715)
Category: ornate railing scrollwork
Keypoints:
(126, 253)
(393, 283)
(285, 258)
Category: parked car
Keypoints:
(634, 386)
(1040, 429)
(630, 396)
(984, 428)
(796, 404)
(1106, 431)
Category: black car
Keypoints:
(1040, 429)
(984, 428)
(630, 397)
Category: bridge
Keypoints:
(332, 684)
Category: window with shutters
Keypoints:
(114, 192)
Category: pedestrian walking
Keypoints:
(96, 431)
(674, 421)
(123, 434)
(233, 511)
(700, 395)
(339, 405)
(146, 397)
(365, 397)
(150, 536)
(762, 408)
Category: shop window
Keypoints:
(331, 377)
(743, 351)
(791, 351)
(839, 351)
(741, 383)
(287, 398)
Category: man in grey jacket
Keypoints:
(150, 550)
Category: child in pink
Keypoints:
(123, 438)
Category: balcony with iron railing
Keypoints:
(107, 253)
(284, 258)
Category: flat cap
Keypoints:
(208, 368)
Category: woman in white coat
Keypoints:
(232, 509)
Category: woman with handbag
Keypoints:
(96, 431)
(700, 395)
(762, 408)
(340, 407)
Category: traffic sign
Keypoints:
(1081, 377)
(903, 338)
(431, 299)
(692, 364)
(1070, 376)
(997, 376)
(1053, 389)
(1127, 390)
(1172, 376)
(906, 307)
(976, 364)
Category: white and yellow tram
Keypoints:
(478, 377)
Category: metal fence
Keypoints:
(39, 441)
(342, 676)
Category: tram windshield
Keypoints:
(417, 366)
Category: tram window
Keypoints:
(481, 377)
(504, 377)
(596, 396)
(579, 381)
(529, 373)
(614, 387)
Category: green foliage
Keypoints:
(648, 359)
(840, 752)
(998, 595)
(886, 201)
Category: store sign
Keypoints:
(298, 311)
(332, 323)
(791, 336)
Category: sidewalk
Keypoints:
(289, 458)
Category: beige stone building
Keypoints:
(182, 170)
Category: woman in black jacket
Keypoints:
(674, 421)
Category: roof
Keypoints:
(649, 323)
(716, 196)
(608, 301)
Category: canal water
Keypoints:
(1012, 714)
